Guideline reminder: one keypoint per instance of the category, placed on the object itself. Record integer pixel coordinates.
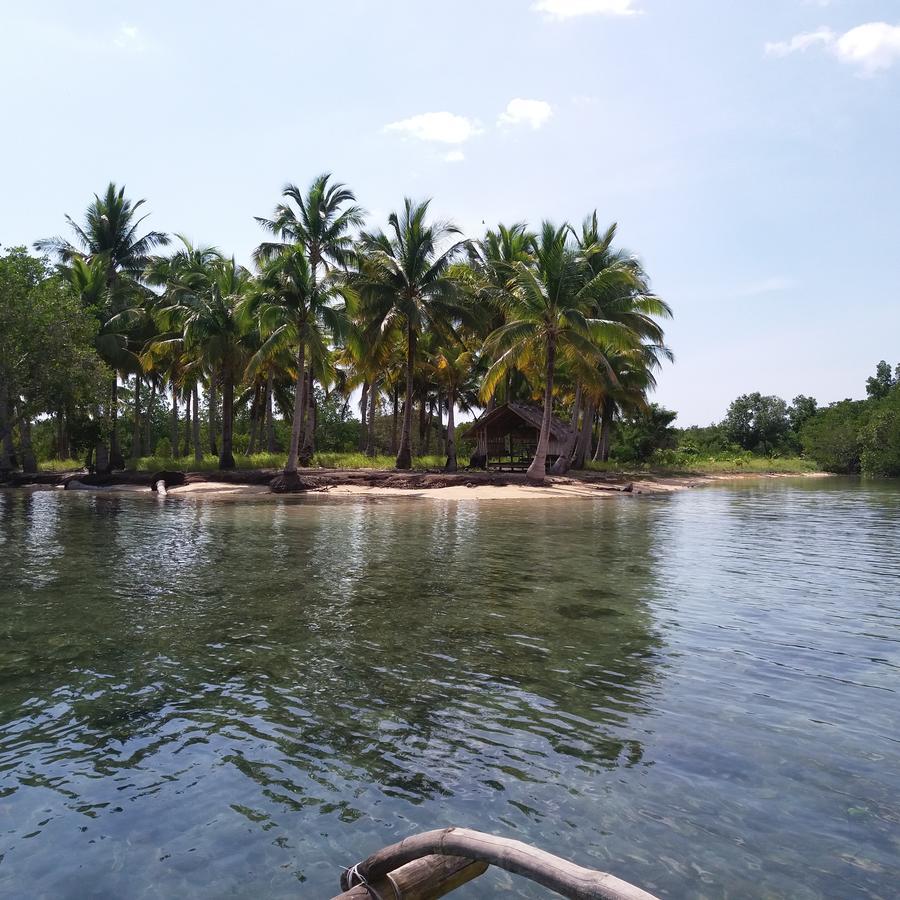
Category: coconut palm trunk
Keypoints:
(115, 456)
(186, 441)
(297, 423)
(213, 425)
(564, 460)
(537, 471)
(173, 424)
(29, 460)
(136, 428)
(363, 415)
(270, 419)
(308, 442)
(226, 460)
(255, 417)
(429, 427)
(373, 401)
(451, 432)
(394, 418)
(195, 424)
(602, 451)
(583, 447)
(404, 454)
(147, 447)
(61, 449)
(441, 445)
(421, 446)
(606, 415)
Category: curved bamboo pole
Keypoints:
(552, 872)
(422, 879)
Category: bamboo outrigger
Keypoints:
(434, 863)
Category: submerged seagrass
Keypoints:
(212, 699)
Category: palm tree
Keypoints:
(546, 303)
(200, 309)
(630, 303)
(635, 379)
(110, 233)
(186, 272)
(402, 279)
(320, 222)
(109, 230)
(454, 367)
(295, 309)
(490, 260)
(113, 341)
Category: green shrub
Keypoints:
(879, 440)
(832, 436)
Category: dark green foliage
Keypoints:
(801, 410)
(757, 422)
(337, 431)
(859, 436)
(832, 436)
(640, 435)
(882, 382)
(48, 365)
(704, 441)
(880, 437)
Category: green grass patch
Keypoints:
(689, 464)
(210, 463)
(61, 465)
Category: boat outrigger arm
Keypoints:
(434, 863)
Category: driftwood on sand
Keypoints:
(460, 844)
(311, 479)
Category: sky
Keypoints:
(748, 149)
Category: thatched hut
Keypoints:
(507, 436)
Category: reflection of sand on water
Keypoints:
(106, 489)
(477, 492)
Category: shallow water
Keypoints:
(212, 699)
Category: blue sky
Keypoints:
(749, 150)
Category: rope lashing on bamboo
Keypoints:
(354, 878)
(552, 872)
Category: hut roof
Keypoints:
(530, 415)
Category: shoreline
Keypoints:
(373, 483)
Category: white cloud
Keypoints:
(128, 38)
(871, 47)
(454, 156)
(569, 9)
(526, 112)
(800, 42)
(441, 127)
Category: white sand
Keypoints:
(217, 489)
(555, 489)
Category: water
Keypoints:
(211, 699)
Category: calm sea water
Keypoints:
(699, 693)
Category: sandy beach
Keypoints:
(435, 486)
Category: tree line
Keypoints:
(847, 437)
(114, 327)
